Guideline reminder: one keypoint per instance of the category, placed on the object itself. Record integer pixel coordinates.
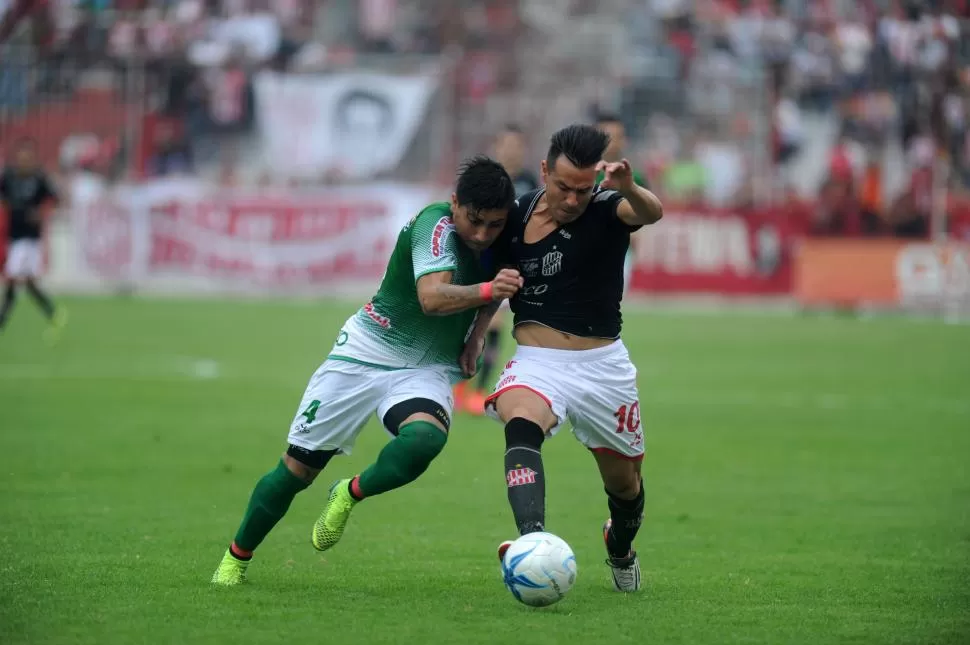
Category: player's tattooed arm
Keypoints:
(438, 297)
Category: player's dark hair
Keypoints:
(583, 145)
(483, 184)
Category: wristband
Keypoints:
(485, 291)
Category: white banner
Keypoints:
(185, 234)
(355, 124)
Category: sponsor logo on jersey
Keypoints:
(437, 237)
(520, 477)
(535, 289)
(376, 317)
(551, 262)
(509, 365)
(530, 267)
(566, 234)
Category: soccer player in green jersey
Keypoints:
(399, 355)
(615, 150)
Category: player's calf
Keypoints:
(625, 499)
(404, 459)
(268, 503)
(271, 498)
(524, 474)
(626, 515)
(9, 297)
(42, 299)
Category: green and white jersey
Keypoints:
(391, 331)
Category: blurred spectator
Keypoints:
(172, 155)
(856, 107)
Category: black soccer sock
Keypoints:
(41, 298)
(627, 515)
(9, 296)
(523, 474)
(489, 358)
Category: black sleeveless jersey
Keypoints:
(573, 276)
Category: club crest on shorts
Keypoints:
(551, 262)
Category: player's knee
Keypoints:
(523, 433)
(419, 409)
(623, 485)
(306, 464)
(520, 403)
(425, 441)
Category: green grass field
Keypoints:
(808, 481)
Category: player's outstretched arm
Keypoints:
(438, 297)
(639, 207)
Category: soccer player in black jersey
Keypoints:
(24, 192)
(568, 240)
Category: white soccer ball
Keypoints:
(539, 569)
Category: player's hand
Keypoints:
(468, 361)
(618, 175)
(506, 284)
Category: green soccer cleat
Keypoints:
(330, 526)
(231, 571)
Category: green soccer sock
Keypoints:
(268, 504)
(403, 459)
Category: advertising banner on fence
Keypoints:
(186, 232)
(883, 273)
(715, 251)
(359, 123)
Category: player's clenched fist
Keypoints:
(506, 283)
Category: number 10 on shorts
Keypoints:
(628, 418)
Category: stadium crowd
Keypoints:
(861, 108)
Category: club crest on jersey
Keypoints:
(551, 262)
(441, 229)
(520, 477)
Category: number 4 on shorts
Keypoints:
(311, 411)
(628, 417)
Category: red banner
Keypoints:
(702, 250)
(316, 238)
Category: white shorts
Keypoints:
(596, 390)
(23, 259)
(341, 396)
